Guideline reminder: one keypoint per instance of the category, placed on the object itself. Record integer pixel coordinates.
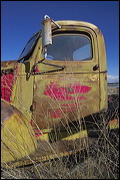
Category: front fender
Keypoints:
(17, 136)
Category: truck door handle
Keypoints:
(95, 67)
(33, 106)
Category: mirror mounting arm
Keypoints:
(46, 16)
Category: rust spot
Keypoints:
(8, 63)
(7, 110)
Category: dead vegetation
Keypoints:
(99, 161)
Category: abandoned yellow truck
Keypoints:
(59, 78)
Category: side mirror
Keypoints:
(47, 33)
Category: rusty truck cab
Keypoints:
(71, 81)
(63, 81)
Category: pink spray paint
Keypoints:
(6, 86)
(65, 93)
(7, 81)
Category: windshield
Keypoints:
(28, 49)
(70, 47)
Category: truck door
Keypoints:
(66, 86)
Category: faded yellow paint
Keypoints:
(18, 139)
(81, 134)
(8, 64)
(81, 107)
(23, 92)
(103, 91)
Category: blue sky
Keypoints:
(20, 19)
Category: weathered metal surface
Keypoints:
(59, 142)
(47, 34)
(6, 86)
(64, 96)
(62, 99)
(22, 95)
(52, 101)
(8, 64)
(9, 71)
(17, 137)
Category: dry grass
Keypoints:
(99, 161)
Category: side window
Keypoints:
(83, 53)
(70, 47)
(29, 47)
